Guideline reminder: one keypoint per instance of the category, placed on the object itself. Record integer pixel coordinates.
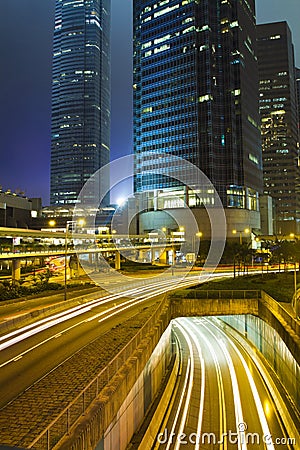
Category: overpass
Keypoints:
(100, 402)
(87, 244)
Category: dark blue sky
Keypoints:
(25, 85)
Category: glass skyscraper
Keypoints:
(80, 142)
(196, 95)
(279, 123)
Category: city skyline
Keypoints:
(26, 99)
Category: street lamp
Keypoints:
(80, 222)
(52, 223)
(246, 231)
(197, 235)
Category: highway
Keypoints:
(31, 352)
(220, 400)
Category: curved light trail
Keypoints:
(225, 391)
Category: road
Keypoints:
(220, 400)
(31, 352)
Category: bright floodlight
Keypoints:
(121, 201)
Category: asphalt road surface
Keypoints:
(31, 352)
(220, 400)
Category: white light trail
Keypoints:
(256, 397)
(31, 330)
(222, 406)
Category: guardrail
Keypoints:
(63, 423)
(78, 250)
(225, 294)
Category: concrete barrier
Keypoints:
(102, 420)
(286, 326)
(153, 428)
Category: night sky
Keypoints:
(25, 85)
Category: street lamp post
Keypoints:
(246, 231)
(68, 223)
(196, 248)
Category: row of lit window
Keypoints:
(267, 81)
(268, 100)
(278, 105)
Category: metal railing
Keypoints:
(62, 424)
(55, 252)
(226, 294)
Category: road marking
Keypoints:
(191, 360)
(202, 387)
(221, 392)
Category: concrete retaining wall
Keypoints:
(117, 413)
(121, 407)
(186, 307)
(265, 307)
(286, 326)
(152, 430)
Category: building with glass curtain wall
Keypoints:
(196, 97)
(279, 123)
(80, 98)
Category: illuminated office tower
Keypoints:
(279, 120)
(196, 97)
(80, 98)
(298, 94)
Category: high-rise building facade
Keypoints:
(279, 123)
(196, 96)
(298, 96)
(80, 140)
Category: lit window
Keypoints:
(205, 98)
(166, 10)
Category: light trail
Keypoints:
(81, 309)
(222, 406)
(239, 419)
(188, 392)
(104, 315)
(256, 397)
(202, 386)
(183, 392)
(43, 324)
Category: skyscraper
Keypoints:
(80, 140)
(278, 108)
(298, 95)
(196, 96)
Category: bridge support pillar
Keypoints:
(16, 269)
(173, 256)
(152, 253)
(163, 257)
(142, 255)
(117, 260)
